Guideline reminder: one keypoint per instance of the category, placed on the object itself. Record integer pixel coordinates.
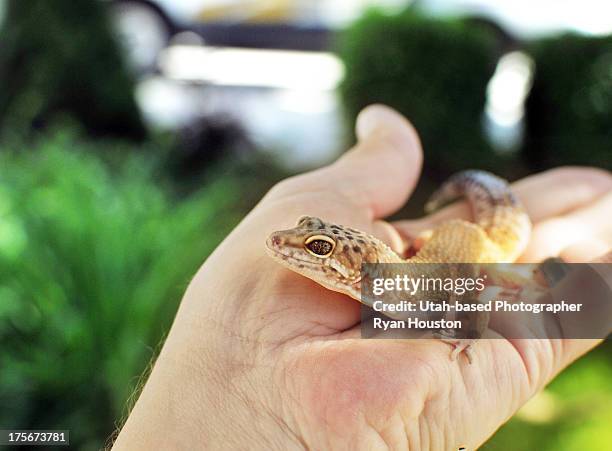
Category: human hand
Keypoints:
(262, 358)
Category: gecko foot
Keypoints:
(459, 345)
(512, 294)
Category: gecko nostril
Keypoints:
(276, 241)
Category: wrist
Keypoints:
(203, 405)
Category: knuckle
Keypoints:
(299, 183)
(285, 187)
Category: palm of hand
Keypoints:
(343, 390)
(340, 389)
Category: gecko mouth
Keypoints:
(286, 257)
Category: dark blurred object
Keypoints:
(433, 71)
(265, 35)
(204, 142)
(569, 110)
(505, 42)
(61, 58)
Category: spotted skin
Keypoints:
(499, 234)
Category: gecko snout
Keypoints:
(274, 241)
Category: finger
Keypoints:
(584, 251)
(545, 195)
(389, 234)
(378, 174)
(544, 359)
(581, 235)
(561, 190)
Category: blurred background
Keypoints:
(135, 134)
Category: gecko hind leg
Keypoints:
(415, 244)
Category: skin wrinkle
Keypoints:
(431, 410)
(557, 347)
(249, 399)
(289, 394)
(425, 434)
(405, 429)
(379, 431)
(329, 334)
(375, 431)
(214, 398)
(291, 377)
(425, 402)
(396, 435)
(261, 325)
(206, 363)
(297, 438)
(517, 389)
(546, 364)
(525, 361)
(346, 412)
(410, 437)
(271, 317)
(317, 325)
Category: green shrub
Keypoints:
(60, 58)
(433, 71)
(569, 110)
(94, 258)
(573, 414)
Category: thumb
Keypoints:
(381, 171)
(377, 175)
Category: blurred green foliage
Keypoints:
(94, 258)
(569, 110)
(573, 413)
(60, 58)
(433, 71)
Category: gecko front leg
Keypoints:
(473, 327)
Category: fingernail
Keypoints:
(370, 119)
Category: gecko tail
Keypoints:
(473, 184)
(483, 190)
(444, 195)
(494, 206)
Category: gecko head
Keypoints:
(329, 254)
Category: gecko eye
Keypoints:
(320, 246)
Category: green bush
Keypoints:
(60, 58)
(94, 258)
(573, 413)
(433, 71)
(569, 110)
